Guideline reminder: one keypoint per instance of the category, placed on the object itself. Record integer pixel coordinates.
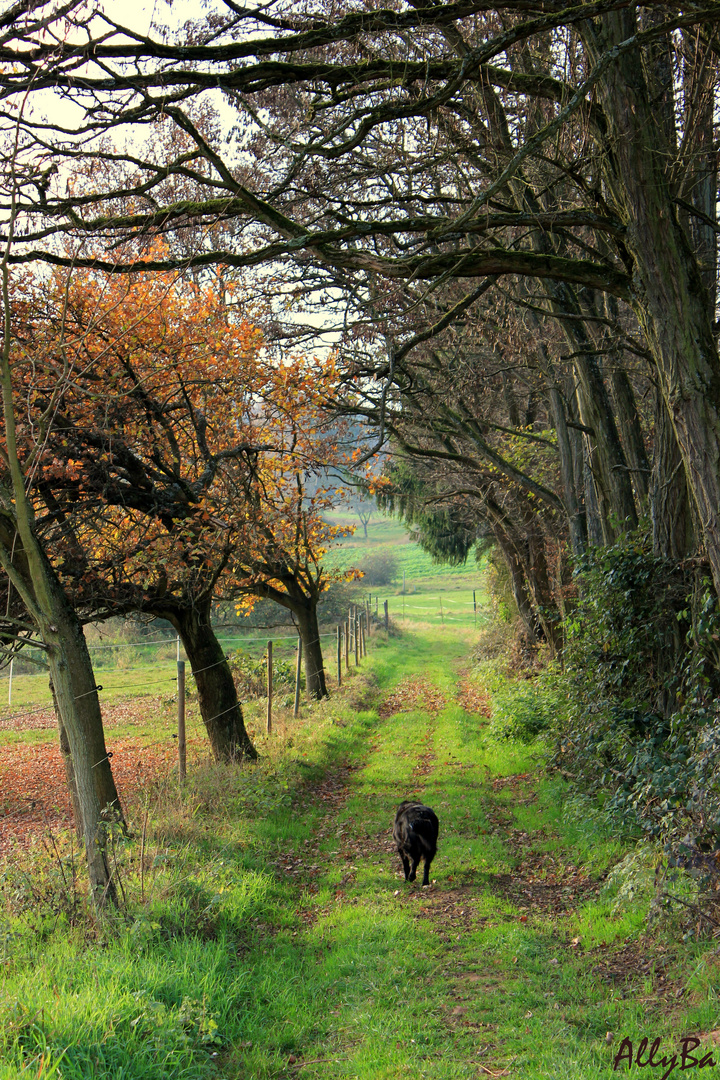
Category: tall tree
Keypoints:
(553, 154)
(50, 614)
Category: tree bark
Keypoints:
(518, 586)
(609, 465)
(576, 517)
(217, 696)
(631, 431)
(74, 681)
(671, 508)
(69, 771)
(593, 515)
(309, 631)
(523, 548)
(102, 770)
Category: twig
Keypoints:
(693, 907)
(118, 875)
(503, 1072)
(54, 845)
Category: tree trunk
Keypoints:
(102, 770)
(576, 517)
(539, 581)
(631, 431)
(671, 508)
(219, 706)
(519, 587)
(309, 631)
(612, 479)
(73, 681)
(593, 515)
(701, 186)
(670, 298)
(69, 771)
(523, 548)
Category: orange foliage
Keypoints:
(168, 445)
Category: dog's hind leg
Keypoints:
(406, 865)
(413, 871)
(426, 871)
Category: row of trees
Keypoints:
(157, 460)
(564, 163)
(508, 213)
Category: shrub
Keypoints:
(524, 708)
(642, 727)
(379, 567)
(500, 588)
(250, 674)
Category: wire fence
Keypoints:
(408, 606)
(404, 607)
(18, 685)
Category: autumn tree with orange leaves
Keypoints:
(49, 617)
(280, 553)
(173, 467)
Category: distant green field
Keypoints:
(441, 606)
(386, 534)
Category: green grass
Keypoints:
(272, 935)
(442, 607)
(387, 534)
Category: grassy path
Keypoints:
(275, 937)
(511, 963)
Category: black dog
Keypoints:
(415, 832)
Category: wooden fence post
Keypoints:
(269, 687)
(356, 641)
(298, 671)
(346, 636)
(181, 720)
(339, 655)
(387, 620)
(475, 608)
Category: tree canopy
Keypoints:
(418, 170)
